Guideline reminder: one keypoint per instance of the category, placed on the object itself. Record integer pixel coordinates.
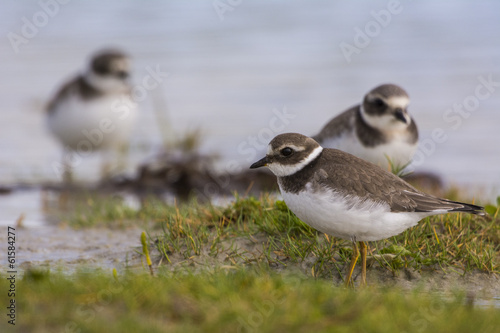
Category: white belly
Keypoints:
(399, 151)
(101, 122)
(333, 214)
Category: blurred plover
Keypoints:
(378, 129)
(94, 110)
(342, 195)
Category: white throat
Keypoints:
(106, 84)
(384, 123)
(281, 170)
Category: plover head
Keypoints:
(109, 71)
(385, 108)
(289, 153)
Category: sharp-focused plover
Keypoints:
(378, 129)
(342, 195)
(94, 110)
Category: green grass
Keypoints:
(225, 300)
(263, 231)
(462, 242)
(253, 266)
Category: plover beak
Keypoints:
(401, 115)
(260, 163)
(122, 75)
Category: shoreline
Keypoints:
(99, 248)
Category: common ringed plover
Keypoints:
(377, 129)
(342, 195)
(94, 110)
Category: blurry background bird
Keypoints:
(243, 77)
(95, 112)
(379, 130)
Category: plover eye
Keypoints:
(287, 151)
(378, 102)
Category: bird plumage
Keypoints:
(378, 128)
(356, 177)
(342, 195)
(94, 111)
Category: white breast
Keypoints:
(398, 149)
(347, 218)
(103, 121)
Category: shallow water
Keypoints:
(22, 204)
(491, 302)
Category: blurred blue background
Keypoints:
(232, 65)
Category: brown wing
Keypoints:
(428, 203)
(338, 125)
(365, 180)
(76, 85)
(61, 93)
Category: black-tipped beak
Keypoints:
(122, 75)
(260, 163)
(401, 115)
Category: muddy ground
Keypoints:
(69, 249)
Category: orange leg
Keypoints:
(354, 258)
(363, 248)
